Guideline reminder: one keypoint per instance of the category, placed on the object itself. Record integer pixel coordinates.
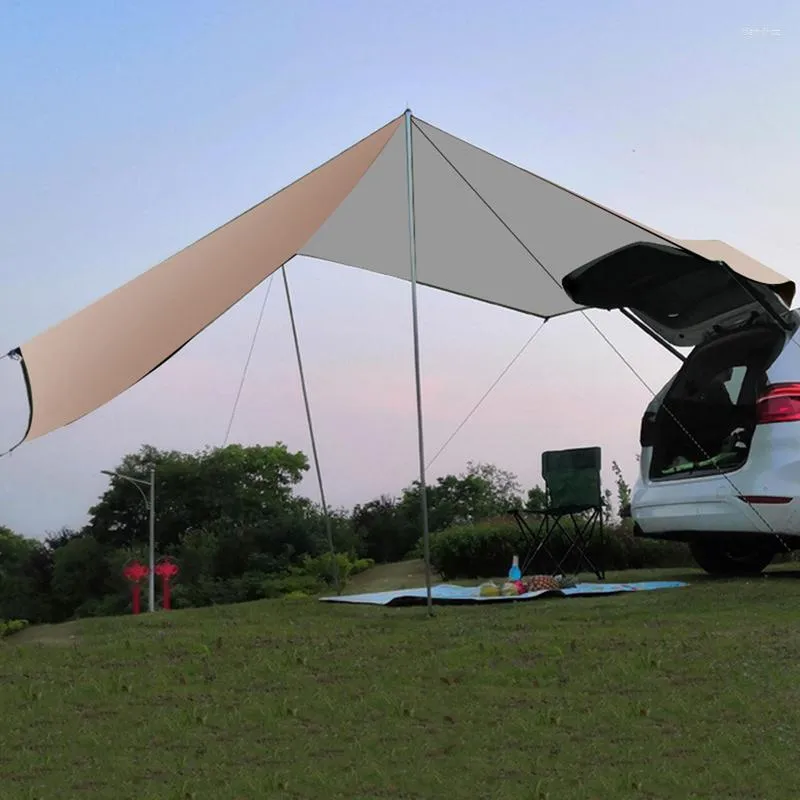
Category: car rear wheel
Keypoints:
(732, 556)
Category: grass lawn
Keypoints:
(685, 693)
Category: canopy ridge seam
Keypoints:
(595, 204)
(491, 209)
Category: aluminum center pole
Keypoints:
(412, 239)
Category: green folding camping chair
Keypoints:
(572, 481)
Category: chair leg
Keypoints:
(578, 542)
(542, 538)
(533, 538)
(585, 534)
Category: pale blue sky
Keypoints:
(131, 129)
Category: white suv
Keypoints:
(720, 458)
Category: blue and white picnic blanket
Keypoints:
(445, 593)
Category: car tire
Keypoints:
(732, 557)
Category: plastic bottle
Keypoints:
(515, 574)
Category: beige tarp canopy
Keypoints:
(485, 229)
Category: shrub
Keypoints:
(313, 577)
(184, 596)
(206, 591)
(292, 584)
(9, 627)
(362, 565)
(109, 606)
(476, 551)
(415, 552)
(624, 551)
(321, 567)
(485, 550)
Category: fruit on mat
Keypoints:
(539, 583)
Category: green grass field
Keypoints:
(686, 693)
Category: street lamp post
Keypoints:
(150, 503)
(151, 589)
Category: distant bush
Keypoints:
(322, 567)
(207, 591)
(292, 584)
(485, 549)
(108, 606)
(296, 596)
(312, 577)
(9, 627)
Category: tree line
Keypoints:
(232, 518)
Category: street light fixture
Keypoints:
(150, 503)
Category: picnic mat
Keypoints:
(445, 594)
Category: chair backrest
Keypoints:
(572, 478)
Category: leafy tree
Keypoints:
(623, 488)
(197, 554)
(501, 487)
(389, 528)
(537, 499)
(55, 539)
(606, 506)
(387, 534)
(25, 570)
(241, 485)
(80, 575)
(481, 492)
(13, 548)
(346, 537)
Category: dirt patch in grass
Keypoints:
(388, 577)
(52, 635)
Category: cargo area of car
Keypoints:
(707, 418)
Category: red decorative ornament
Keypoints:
(135, 572)
(166, 569)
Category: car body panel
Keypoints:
(673, 507)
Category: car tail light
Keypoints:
(779, 403)
(647, 430)
(766, 500)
